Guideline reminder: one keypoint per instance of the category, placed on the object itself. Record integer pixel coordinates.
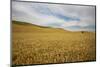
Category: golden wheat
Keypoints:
(31, 46)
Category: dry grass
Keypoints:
(37, 45)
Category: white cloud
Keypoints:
(55, 15)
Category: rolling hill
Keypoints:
(33, 44)
(19, 26)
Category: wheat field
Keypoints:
(32, 44)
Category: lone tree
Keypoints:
(82, 31)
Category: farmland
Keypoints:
(33, 44)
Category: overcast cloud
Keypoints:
(68, 17)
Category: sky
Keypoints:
(68, 17)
